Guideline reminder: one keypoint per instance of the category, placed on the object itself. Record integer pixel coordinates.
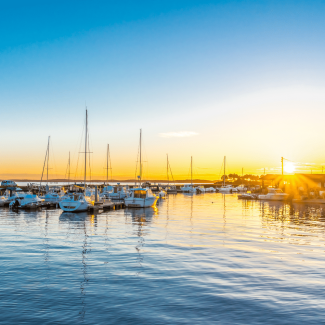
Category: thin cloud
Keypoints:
(180, 134)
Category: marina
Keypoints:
(162, 162)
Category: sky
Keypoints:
(207, 79)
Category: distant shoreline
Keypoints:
(112, 181)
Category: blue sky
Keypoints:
(227, 71)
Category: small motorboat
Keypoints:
(248, 196)
(27, 202)
(14, 195)
(53, 195)
(227, 189)
(200, 190)
(171, 189)
(8, 184)
(117, 192)
(188, 189)
(274, 194)
(241, 188)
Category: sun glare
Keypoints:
(289, 167)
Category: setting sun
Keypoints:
(289, 167)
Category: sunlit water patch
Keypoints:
(199, 259)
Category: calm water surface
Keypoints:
(205, 259)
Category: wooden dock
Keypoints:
(107, 206)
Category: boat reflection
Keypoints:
(79, 218)
(141, 218)
(81, 222)
(297, 216)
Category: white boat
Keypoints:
(81, 201)
(141, 198)
(241, 188)
(28, 201)
(247, 196)
(162, 194)
(227, 189)
(210, 190)
(53, 195)
(8, 184)
(76, 203)
(189, 188)
(171, 189)
(13, 197)
(274, 194)
(200, 189)
(117, 192)
(107, 190)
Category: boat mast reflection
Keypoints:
(141, 217)
(80, 221)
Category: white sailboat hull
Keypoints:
(74, 206)
(188, 189)
(274, 197)
(147, 202)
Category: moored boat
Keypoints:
(141, 198)
(77, 202)
(227, 189)
(274, 194)
(80, 201)
(28, 201)
(8, 184)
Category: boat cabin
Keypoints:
(141, 193)
(274, 190)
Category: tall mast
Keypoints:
(47, 163)
(86, 148)
(224, 170)
(140, 156)
(167, 172)
(107, 164)
(69, 170)
(191, 172)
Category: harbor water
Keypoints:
(194, 259)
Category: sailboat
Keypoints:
(79, 202)
(226, 188)
(140, 197)
(171, 189)
(189, 188)
(117, 192)
(52, 195)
